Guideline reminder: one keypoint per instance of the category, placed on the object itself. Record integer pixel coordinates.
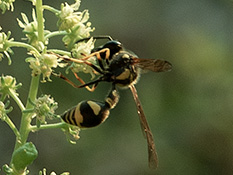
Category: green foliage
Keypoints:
(73, 25)
(24, 156)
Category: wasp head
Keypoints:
(114, 46)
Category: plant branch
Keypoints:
(16, 98)
(24, 45)
(26, 117)
(61, 52)
(40, 20)
(48, 126)
(13, 127)
(56, 33)
(51, 9)
(3, 97)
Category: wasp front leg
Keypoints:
(84, 60)
(91, 113)
(96, 54)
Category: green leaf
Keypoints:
(24, 156)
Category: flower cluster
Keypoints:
(44, 107)
(8, 83)
(3, 110)
(43, 65)
(72, 133)
(43, 172)
(67, 16)
(6, 5)
(31, 31)
(81, 50)
(75, 23)
(4, 45)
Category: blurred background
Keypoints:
(190, 109)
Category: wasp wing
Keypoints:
(154, 65)
(152, 154)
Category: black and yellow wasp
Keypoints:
(122, 69)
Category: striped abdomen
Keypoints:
(91, 113)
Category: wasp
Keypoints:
(121, 68)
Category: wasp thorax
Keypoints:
(123, 71)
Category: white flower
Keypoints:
(6, 5)
(43, 65)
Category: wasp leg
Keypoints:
(94, 83)
(85, 59)
(83, 83)
(97, 55)
(73, 84)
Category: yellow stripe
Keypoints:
(124, 75)
(78, 116)
(95, 107)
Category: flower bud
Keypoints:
(8, 83)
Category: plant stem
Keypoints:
(48, 126)
(39, 13)
(26, 117)
(51, 9)
(56, 33)
(61, 52)
(3, 97)
(25, 45)
(13, 127)
(16, 98)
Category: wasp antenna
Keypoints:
(96, 37)
(103, 37)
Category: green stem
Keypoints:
(26, 117)
(16, 98)
(13, 127)
(3, 97)
(51, 9)
(56, 33)
(39, 13)
(48, 126)
(25, 45)
(33, 91)
(61, 52)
